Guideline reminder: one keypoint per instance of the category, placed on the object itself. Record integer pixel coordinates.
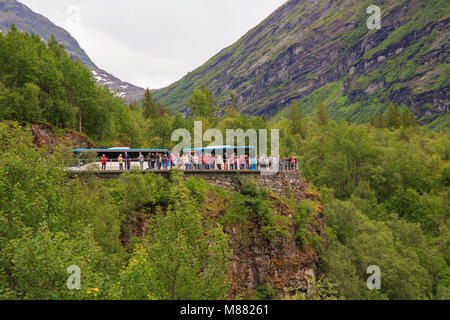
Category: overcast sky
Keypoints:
(153, 43)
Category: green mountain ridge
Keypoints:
(316, 51)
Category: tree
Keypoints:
(31, 111)
(233, 103)
(149, 106)
(202, 102)
(296, 117)
(394, 118)
(186, 261)
(380, 122)
(322, 115)
(409, 120)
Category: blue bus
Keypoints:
(83, 157)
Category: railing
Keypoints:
(135, 164)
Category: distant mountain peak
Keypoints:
(14, 12)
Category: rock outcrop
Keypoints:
(45, 136)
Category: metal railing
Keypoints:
(135, 164)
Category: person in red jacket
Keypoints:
(104, 162)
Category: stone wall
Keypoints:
(283, 183)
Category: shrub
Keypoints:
(266, 292)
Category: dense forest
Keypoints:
(383, 186)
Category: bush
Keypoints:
(266, 292)
(445, 176)
(302, 220)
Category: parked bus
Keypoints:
(84, 158)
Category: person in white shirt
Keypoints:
(219, 162)
(196, 162)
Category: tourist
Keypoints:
(149, 161)
(196, 161)
(141, 161)
(225, 161)
(164, 161)
(232, 162)
(127, 161)
(180, 161)
(263, 162)
(104, 161)
(120, 160)
(210, 162)
(241, 162)
(158, 161)
(186, 162)
(219, 162)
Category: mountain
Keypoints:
(14, 12)
(322, 50)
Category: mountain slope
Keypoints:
(13, 12)
(322, 50)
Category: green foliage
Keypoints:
(360, 242)
(149, 106)
(303, 218)
(202, 102)
(324, 289)
(445, 176)
(266, 292)
(390, 206)
(321, 114)
(36, 264)
(394, 119)
(296, 117)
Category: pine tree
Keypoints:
(408, 119)
(380, 122)
(394, 118)
(296, 118)
(321, 114)
(233, 103)
(149, 106)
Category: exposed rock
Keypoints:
(44, 136)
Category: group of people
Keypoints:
(195, 161)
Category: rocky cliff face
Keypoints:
(13, 12)
(45, 136)
(322, 50)
(280, 264)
